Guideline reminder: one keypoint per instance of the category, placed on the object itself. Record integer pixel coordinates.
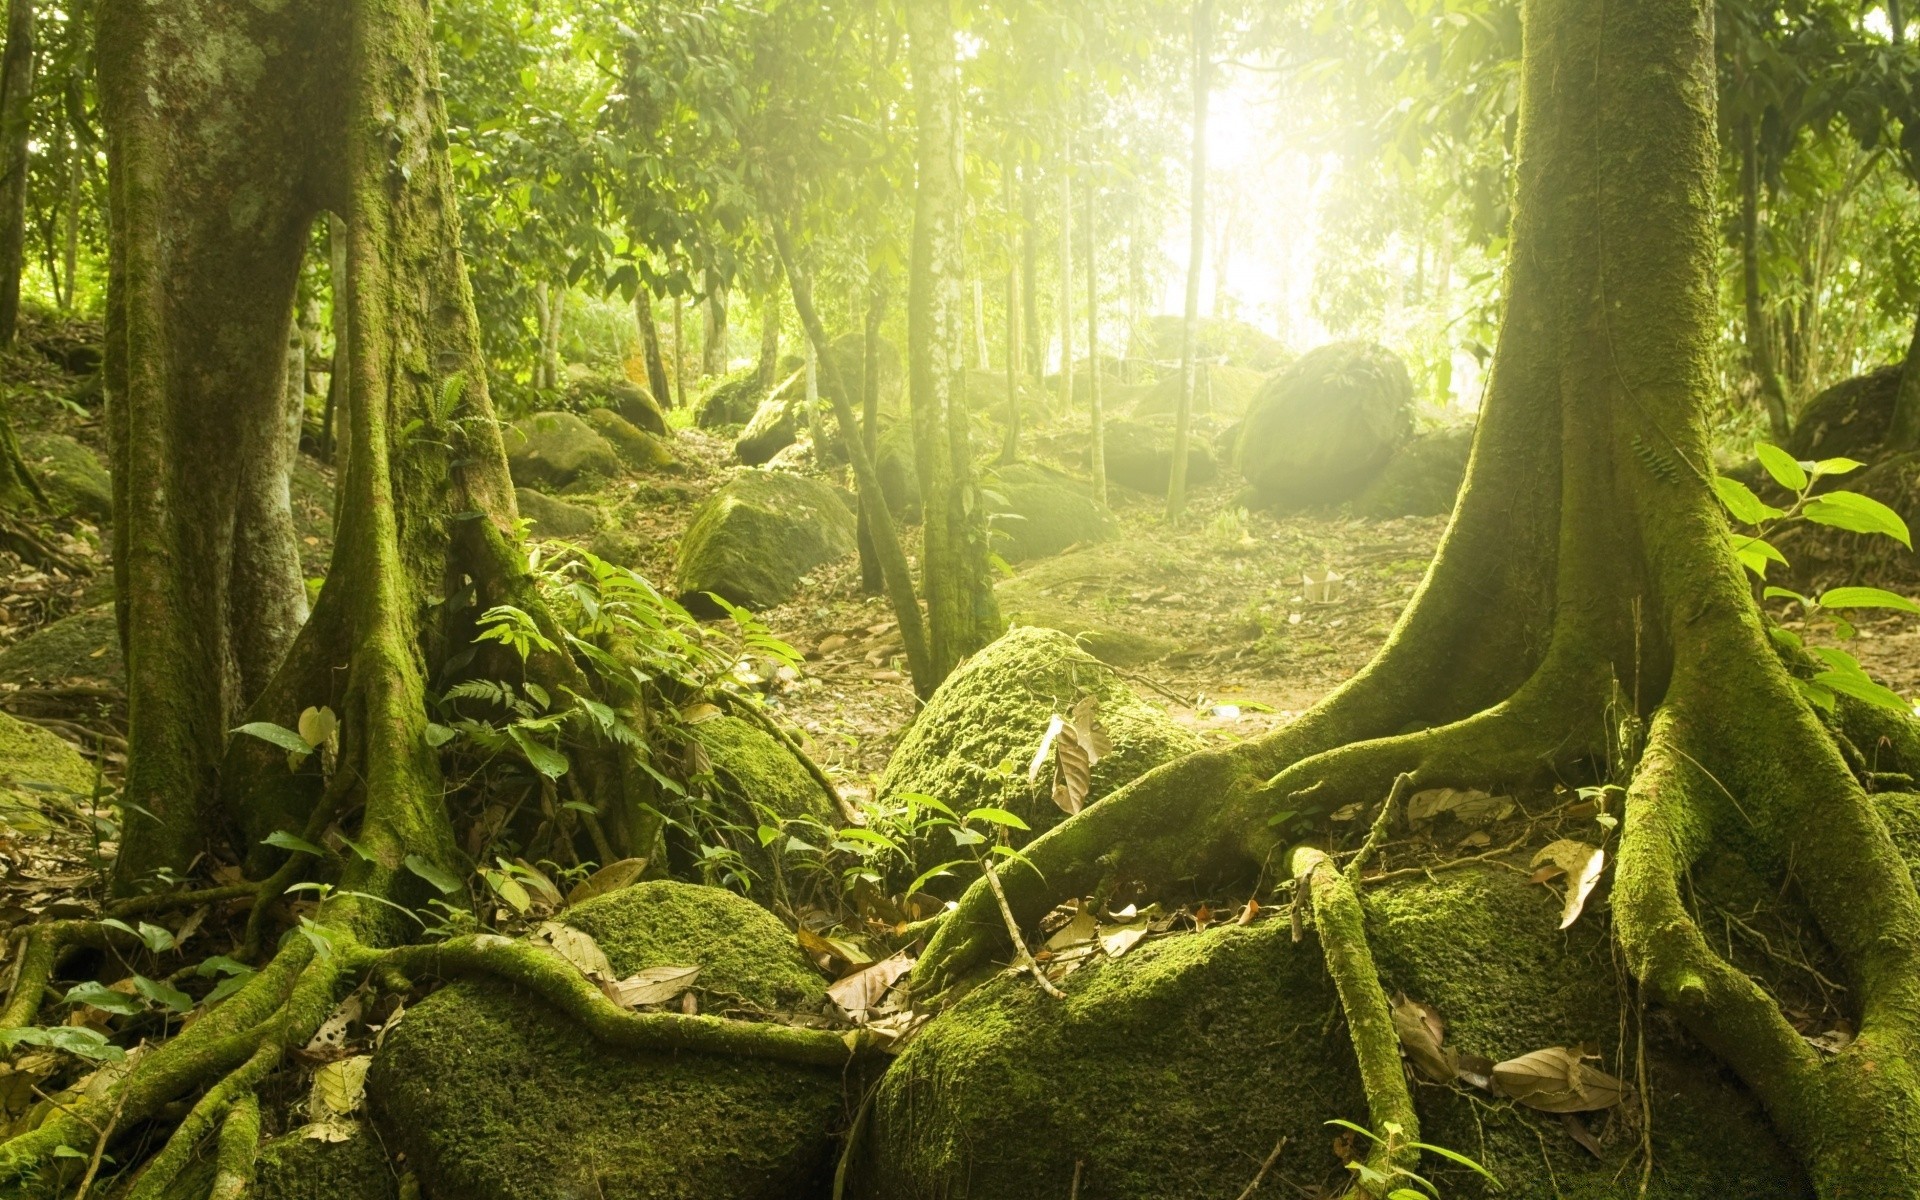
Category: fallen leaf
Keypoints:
(1248, 913)
(1578, 1131)
(1834, 1040)
(1055, 724)
(833, 950)
(1556, 1080)
(1423, 1037)
(1583, 865)
(332, 1033)
(653, 985)
(339, 1088)
(864, 989)
(610, 878)
(576, 946)
(1202, 917)
(1118, 939)
(1469, 805)
(331, 1130)
(1077, 932)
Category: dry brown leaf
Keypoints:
(332, 1033)
(576, 946)
(1077, 932)
(610, 878)
(1202, 916)
(864, 989)
(1469, 805)
(1578, 1131)
(1248, 913)
(1556, 1080)
(1423, 1037)
(845, 954)
(1118, 939)
(1583, 865)
(334, 1129)
(339, 1088)
(654, 985)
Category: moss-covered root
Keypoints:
(1343, 942)
(238, 1149)
(552, 978)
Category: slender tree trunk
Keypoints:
(1035, 336)
(1759, 339)
(1905, 431)
(769, 363)
(1010, 446)
(679, 353)
(713, 350)
(336, 425)
(1066, 273)
(872, 578)
(70, 216)
(1136, 288)
(1202, 83)
(657, 380)
(1097, 445)
(961, 613)
(16, 100)
(980, 356)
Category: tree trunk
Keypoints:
(679, 354)
(70, 222)
(1759, 338)
(657, 380)
(1010, 445)
(336, 425)
(961, 613)
(1097, 430)
(16, 101)
(1202, 84)
(769, 364)
(1035, 339)
(1905, 431)
(713, 350)
(1066, 274)
(1586, 617)
(872, 578)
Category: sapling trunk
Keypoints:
(1201, 82)
(16, 100)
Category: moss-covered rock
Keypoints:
(849, 352)
(302, 1168)
(554, 518)
(759, 782)
(1319, 430)
(638, 448)
(553, 449)
(1174, 1070)
(1037, 511)
(1421, 479)
(72, 476)
(1849, 419)
(899, 475)
(85, 645)
(1220, 391)
(1140, 456)
(995, 708)
(494, 1096)
(753, 540)
(624, 397)
(1052, 593)
(731, 401)
(36, 767)
(774, 426)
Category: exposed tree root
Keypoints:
(1343, 939)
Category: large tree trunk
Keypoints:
(1202, 83)
(1066, 273)
(1586, 616)
(16, 100)
(657, 380)
(961, 613)
(713, 349)
(769, 363)
(1759, 336)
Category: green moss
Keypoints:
(71, 475)
(1319, 430)
(1036, 511)
(1140, 456)
(554, 518)
(1083, 594)
(85, 645)
(554, 449)
(638, 448)
(732, 401)
(492, 1095)
(774, 426)
(753, 540)
(36, 766)
(302, 1168)
(759, 781)
(995, 709)
(1421, 479)
(627, 399)
(1173, 1071)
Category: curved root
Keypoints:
(238, 1148)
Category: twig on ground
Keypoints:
(1021, 958)
(1260, 1176)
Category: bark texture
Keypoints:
(16, 100)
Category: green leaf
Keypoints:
(995, 816)
(65, 1151)
(77, 1040)
(1456, 1156)
(438, 735)
(1780, 593)
(1785, 637)
(98, 995)
(1755, 553)
(1747, 508)
(154, 937)
(1835, 466)
(1865, 597)
(932, 873)
(1857, 514)
(1786, 472)
(294, 842)
(170, 998)
(434, 874)
(279, 735)
(1862, 688)
(540, 756)
(1362, 1130)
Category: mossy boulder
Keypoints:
(492, 1095)
(1849, 419)
(1321, 429)
(85, 645)
(640, 449)
(1084, 595)
(1140, 456)
(995, 708)
(36, 767)
(553, 449)
(1219, 391)
(1036, 511)
(752, 541)
(849, 352)
(554, 518)
(1175, 1069)
(760, 782)
(623, 397)
(294, 1167)
(775, 425)
(899, 474)
(1422, 478)
(731, 401)
(71, 475)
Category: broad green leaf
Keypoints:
(540, 756)
(1456, 1156)
(1785, 637)
(279, 735)
(1862, 688)
(98, 995)
(317, 725)
(932, 873)
(1755, 553)
(1786, 472)
(292, 841)
(438, 735)
(77, 1040)
(1835, 466)
(170, 998)
(434, 874)
(1865, 597)
(995, 816)
(1780, 593)
(1746, 508)
(1857, 514)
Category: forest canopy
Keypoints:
(878, 598)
